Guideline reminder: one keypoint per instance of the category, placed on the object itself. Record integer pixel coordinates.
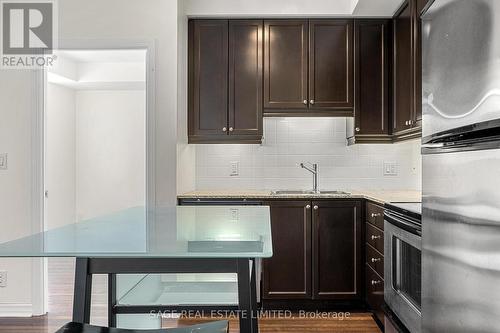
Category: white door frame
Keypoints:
(39, 280)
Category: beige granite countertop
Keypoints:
(380, 196)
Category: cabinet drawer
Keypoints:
(375, 237)
(375, 215)
(375, 292)
(375, 260)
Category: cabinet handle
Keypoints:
(311, 101)
(308, 206)
(305, 102)
(374, 283)
(357, 129)
(376, 215)
(224, 129)
(375, 237)
(376, 259)
(231, 129)
(315, 207)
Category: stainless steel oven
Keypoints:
(403, 265)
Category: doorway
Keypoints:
(95, 142)
(97, 132)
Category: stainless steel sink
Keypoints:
(334, 192)
(302, 192)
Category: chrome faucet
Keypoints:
(312, 168)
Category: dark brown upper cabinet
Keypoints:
(331, 64)
(208, 79)
(407, 105)
(403, 69)
(371, 122)
(225, 81)
(420, 6)
(308, 67)
(285, 64)
(245, 77)
(287, 274)
(337, 247)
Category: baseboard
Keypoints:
(16, 310)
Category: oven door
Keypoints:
(403, 272)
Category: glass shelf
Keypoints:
(183, 289)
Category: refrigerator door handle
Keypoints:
(432, 145)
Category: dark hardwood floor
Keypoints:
(61, 298)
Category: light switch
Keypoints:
(390, 169)
(3, 161)
(234, 169)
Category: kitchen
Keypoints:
(322, 100)
(303, 143)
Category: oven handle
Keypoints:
(403, 224)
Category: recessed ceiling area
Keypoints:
(375, 8)
(99, 69)
(138, 55)
(289, 8)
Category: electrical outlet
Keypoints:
(3, 278)
(390, 169)
(234, 168)
(3, 161)
(235, 214)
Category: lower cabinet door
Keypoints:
(337, 260)
(287, 274)
(375, 292)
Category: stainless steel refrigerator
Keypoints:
(461, 166)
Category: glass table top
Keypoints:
(174, 232)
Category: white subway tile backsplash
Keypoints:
(288, 141)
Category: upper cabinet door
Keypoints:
(372, 78)
(245, 77)
(420, 5)
(208, 84)
(403, 69)
(331, 68)
(285, 64)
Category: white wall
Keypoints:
(289, 141)
(60, 165)
(89, 19)
(186, 154)
(136, 19)
(15, 185)
(110, 154)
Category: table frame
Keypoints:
(86, 267)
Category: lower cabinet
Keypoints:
(375, 292)
(287, 274)
(374, 259)
(317, 251)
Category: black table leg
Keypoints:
(111, 300)
(245, 296)
(83, 291)
(253, 297)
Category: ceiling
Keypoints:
(289, 8)
(104, 55)
(375, 7)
